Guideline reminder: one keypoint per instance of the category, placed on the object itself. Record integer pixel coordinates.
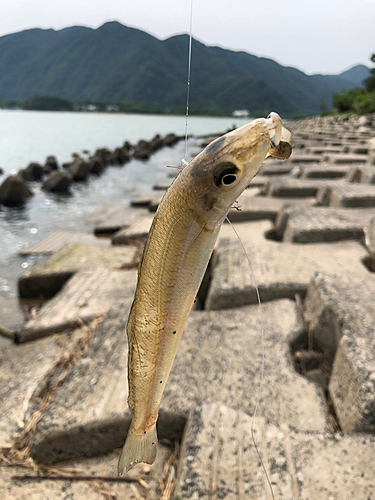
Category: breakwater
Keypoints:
(308, 225)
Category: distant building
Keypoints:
(112, 107)
(241, 113)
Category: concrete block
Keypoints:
(347, 195)
(24, 373)
(137, 232)
(273, 168)
(324, 172)
(341, 316)
(162, 185)
(344, 159)
(100, 467)
(88, 414)
(47, 277)
(58, 239)
(294, 188)
(281, 270)
(304, 158)
(89, 294)
(219, 460)
(113, 218)
(261, 207)
(219, 358)
(321, 224)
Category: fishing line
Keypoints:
(184, 161)
(262, 356)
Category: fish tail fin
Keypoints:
(138, 448)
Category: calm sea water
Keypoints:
(27, 136)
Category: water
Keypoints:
(27, 136)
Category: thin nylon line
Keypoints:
(188, 82)
(263, 356)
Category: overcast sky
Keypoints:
(319, 36)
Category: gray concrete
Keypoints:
(24, 373)
(303, 158)
(270, 168)
(136, 233)
(143, 200)
(324, 172)
(58, 239)
(112, 218)
(370, 243)
(11, 315)
(47, 277)
(321, 224)
(87, 295)
(344, 159)
(364, 174)
(340, 314)
(262, 207)
(294, 188)
(281, 269)
(219, 460)
(89, 412)
(104, 466)
(162, 185)
(347, 195)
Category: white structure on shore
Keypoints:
(241, 113)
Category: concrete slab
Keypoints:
(370, 243)
(87, 295)
(294, 188)
(344, 159)
(219, 360)
(114, 218)
(58, 239)
(89, 412)
(321, 224)
(162, 185)
(11, 315)
(304, 158)
(262, 207)
(320, 150)
(341, 320)
(347, 195)
(219, 460)
(364, 174)
(143, 200)
(281, 269)
(47, 277)
(324, 172)
(104, 467)
(272, 168)
(137, 232)
(24, 372)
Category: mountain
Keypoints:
(356, 74)
(116, 62)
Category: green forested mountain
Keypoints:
(115, 62)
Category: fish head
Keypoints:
(223, 170)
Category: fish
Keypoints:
(180, 243)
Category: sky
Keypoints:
(320, 36)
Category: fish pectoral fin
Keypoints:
(138, 448)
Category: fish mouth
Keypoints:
(279, 138)
(280, 152)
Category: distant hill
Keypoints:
(118, 63)
(356, 74)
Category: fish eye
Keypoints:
(225, 174)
